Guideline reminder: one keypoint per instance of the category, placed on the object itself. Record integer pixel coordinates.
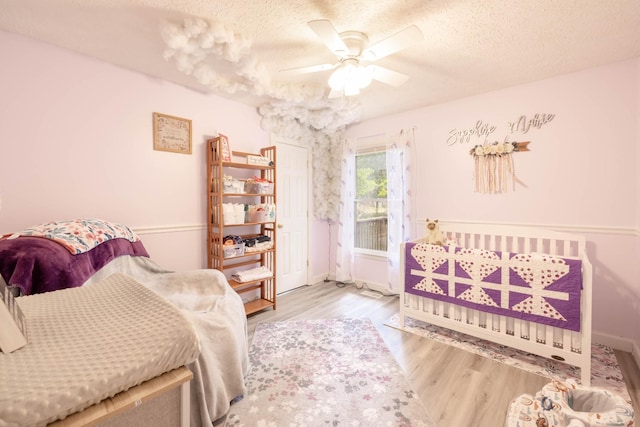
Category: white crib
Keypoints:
(569, 346)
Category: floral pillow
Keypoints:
(40, 260)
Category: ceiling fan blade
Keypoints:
(329, 36)
(387, 76)
(310, 69)
(394, 43)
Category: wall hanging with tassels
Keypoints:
(494, 167)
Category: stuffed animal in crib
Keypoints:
(434, 235)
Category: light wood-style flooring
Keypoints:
(458, 388)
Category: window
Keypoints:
(370, 229)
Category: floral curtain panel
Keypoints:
(400, 202)
(346, 223)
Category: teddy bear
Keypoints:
(434, 235)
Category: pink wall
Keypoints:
(581, 173)
(76, 140)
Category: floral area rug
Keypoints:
(605, 372)
(325, 373)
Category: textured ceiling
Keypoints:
(236, 48)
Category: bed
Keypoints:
(63, 257)
(82, 349)
(522, 287)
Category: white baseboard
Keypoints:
(319, 279)
(377, 287)
(636, 353)
(616, 342)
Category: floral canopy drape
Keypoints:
(327, 154)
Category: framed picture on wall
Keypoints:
(171, 133)
(225, 148)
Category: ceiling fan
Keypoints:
(352, 49)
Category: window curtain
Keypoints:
(346, 223)
(400, 206)
(400, 202)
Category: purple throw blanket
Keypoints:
(37, 265)
(540, 288)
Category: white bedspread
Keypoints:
(217, 312)
(88, 344)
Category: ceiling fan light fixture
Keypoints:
(337, 79)
(350, 78)
(352, 47)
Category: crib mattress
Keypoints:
(87, 344)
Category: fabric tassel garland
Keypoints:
(494, 167)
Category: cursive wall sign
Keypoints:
(483, 131)
(523, 125)
(480, 130)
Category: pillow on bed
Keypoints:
(37, 264)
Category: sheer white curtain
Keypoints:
(400, 201)
(346, 222)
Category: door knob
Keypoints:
(279, 225)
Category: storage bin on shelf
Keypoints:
(266, 188)
(231, 251)
(233, 213)
(258, 186)
(257, 216)
(232, 246)
(232, 185)
(257, 244)
(265, 212)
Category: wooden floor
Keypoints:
(458, 388)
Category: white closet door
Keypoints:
(292, 243)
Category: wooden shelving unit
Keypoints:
(218, 228)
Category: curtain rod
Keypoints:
(378, 135)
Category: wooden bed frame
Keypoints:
(161, 401)
(568, 346)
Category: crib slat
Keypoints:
(496, 324)
(510, 327)
(566, 340)
(548, 334)
(576, 343)
(517, 328)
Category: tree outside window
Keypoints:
(371, 201)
